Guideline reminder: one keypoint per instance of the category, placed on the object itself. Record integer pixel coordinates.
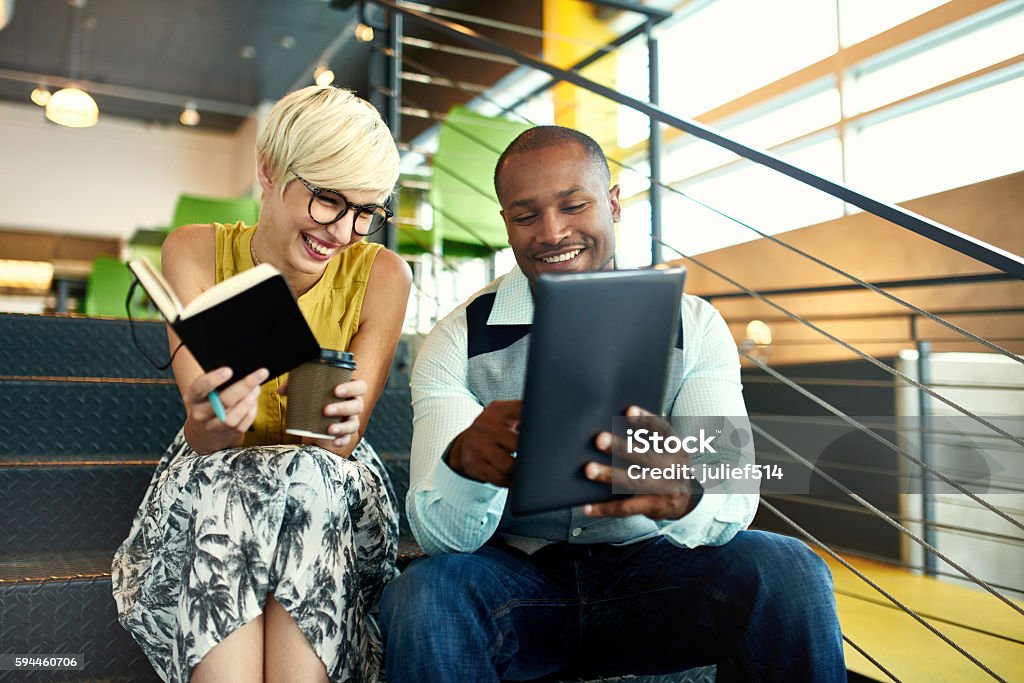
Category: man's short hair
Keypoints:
(330, 137)
(546, 136)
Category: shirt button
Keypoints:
(577, 531)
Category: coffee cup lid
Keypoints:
(337, 357)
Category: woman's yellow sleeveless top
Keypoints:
(332, 309)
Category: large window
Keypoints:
(896, 99)
(861, 19)
(730, 47)
(951, 144)
(942, 56)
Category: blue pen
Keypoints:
(218, 407)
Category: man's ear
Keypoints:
(264, 175)
(613, 201)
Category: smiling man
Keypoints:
(558, 210)
(644, 584)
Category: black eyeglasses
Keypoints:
(329, 206)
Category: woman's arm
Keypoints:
(380, 326)
(189, 263)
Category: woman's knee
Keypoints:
(313, 471)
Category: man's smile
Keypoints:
(564, 256)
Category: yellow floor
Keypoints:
(974, 619)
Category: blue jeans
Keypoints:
(763, 600)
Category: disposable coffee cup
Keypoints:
(311, 387)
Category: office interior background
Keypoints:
(915, 103)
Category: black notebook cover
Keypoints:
(260, 327)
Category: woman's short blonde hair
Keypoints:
(331, 138)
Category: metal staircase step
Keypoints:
(61, 603)
(71, 346)
(390, 427)
(43, 419)
(70, 507)
(90, 504)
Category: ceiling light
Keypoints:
(189, 115)
(247, 52)
(323, 75)
(41, 96)
(364, 33)
(72, 107)
(287, 42)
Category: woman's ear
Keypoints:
(264, 175)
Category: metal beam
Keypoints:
(137, 94)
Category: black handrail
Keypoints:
(988, 254)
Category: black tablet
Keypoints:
(600, 343)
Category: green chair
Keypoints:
(193, 209)
(107, 287)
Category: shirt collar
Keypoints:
(513, 302)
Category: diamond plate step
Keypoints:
(55, 419)
(61, 603)
(390, 427)
(81, 507)
(71, 346)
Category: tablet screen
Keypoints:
(600, 342)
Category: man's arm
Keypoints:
(712, 388)
(447, 512)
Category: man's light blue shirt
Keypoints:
(450, 513)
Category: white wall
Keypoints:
(990, 385)
(114, 177)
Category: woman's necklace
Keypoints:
(252, 250)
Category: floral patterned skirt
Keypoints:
(216, 534)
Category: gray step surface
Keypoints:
(45, 419)
(69, 507)
(60, 603)
(73, 346)
(50, 419)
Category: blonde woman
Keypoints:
(254, 555)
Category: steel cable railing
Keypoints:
(863, 283)
(954, 239)
(862, 354)
(859, 281)
(854, 509)
(849, 347)
(895, 373)
(879, 513)
(487, 195)
(867, 357)
(875, 662)
(889, 596)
